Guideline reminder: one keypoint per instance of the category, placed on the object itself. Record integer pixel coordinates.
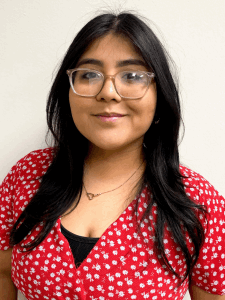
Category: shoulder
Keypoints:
(211, 255)
(26, 172)
(40, 156)
(192, 178)
(23, 180)
(35, 163)
(201, 191)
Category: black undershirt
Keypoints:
(81, 246)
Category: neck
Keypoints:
(110, 168)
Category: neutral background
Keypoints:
(34, 36)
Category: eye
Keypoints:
(89, 75)
(132, 77)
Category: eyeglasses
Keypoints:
(128, 84)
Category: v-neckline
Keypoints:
(102, 237)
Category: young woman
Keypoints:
(108, 212)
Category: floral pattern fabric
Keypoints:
(122, 265)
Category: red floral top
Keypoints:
(122, 264)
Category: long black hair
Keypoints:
(62, 183)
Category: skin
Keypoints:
(8, 290)
(115, 148)
(128, 131)
(198, 294)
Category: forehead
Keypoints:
(111, 47)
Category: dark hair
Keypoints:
(62, 182)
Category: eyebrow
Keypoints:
(89, 61)
(122, 63)
(127, 62)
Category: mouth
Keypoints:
(109, 117)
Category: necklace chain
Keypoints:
(91, 195)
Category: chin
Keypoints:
(109, 146)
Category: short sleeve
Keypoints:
(19, 187)
(209, 270)
(7, 195)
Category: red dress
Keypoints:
(122, 265)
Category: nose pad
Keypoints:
(108, 91)
(111, 87)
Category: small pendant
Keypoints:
(90, 196)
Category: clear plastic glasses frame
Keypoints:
(70, 72)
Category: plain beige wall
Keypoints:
(34, 36)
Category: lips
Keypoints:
(110, 115)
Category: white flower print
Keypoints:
(54, 274)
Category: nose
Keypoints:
(108, 91)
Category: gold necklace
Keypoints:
(91, 195)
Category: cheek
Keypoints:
(151, 104)
(145, 110)
(77, 107)
(74, 111)
(147, 118)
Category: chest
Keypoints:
(121, 265)
(91, 218)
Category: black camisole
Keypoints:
(81, 246)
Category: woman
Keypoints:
(108, 212)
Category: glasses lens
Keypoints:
(87, 82)
(131, 84)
